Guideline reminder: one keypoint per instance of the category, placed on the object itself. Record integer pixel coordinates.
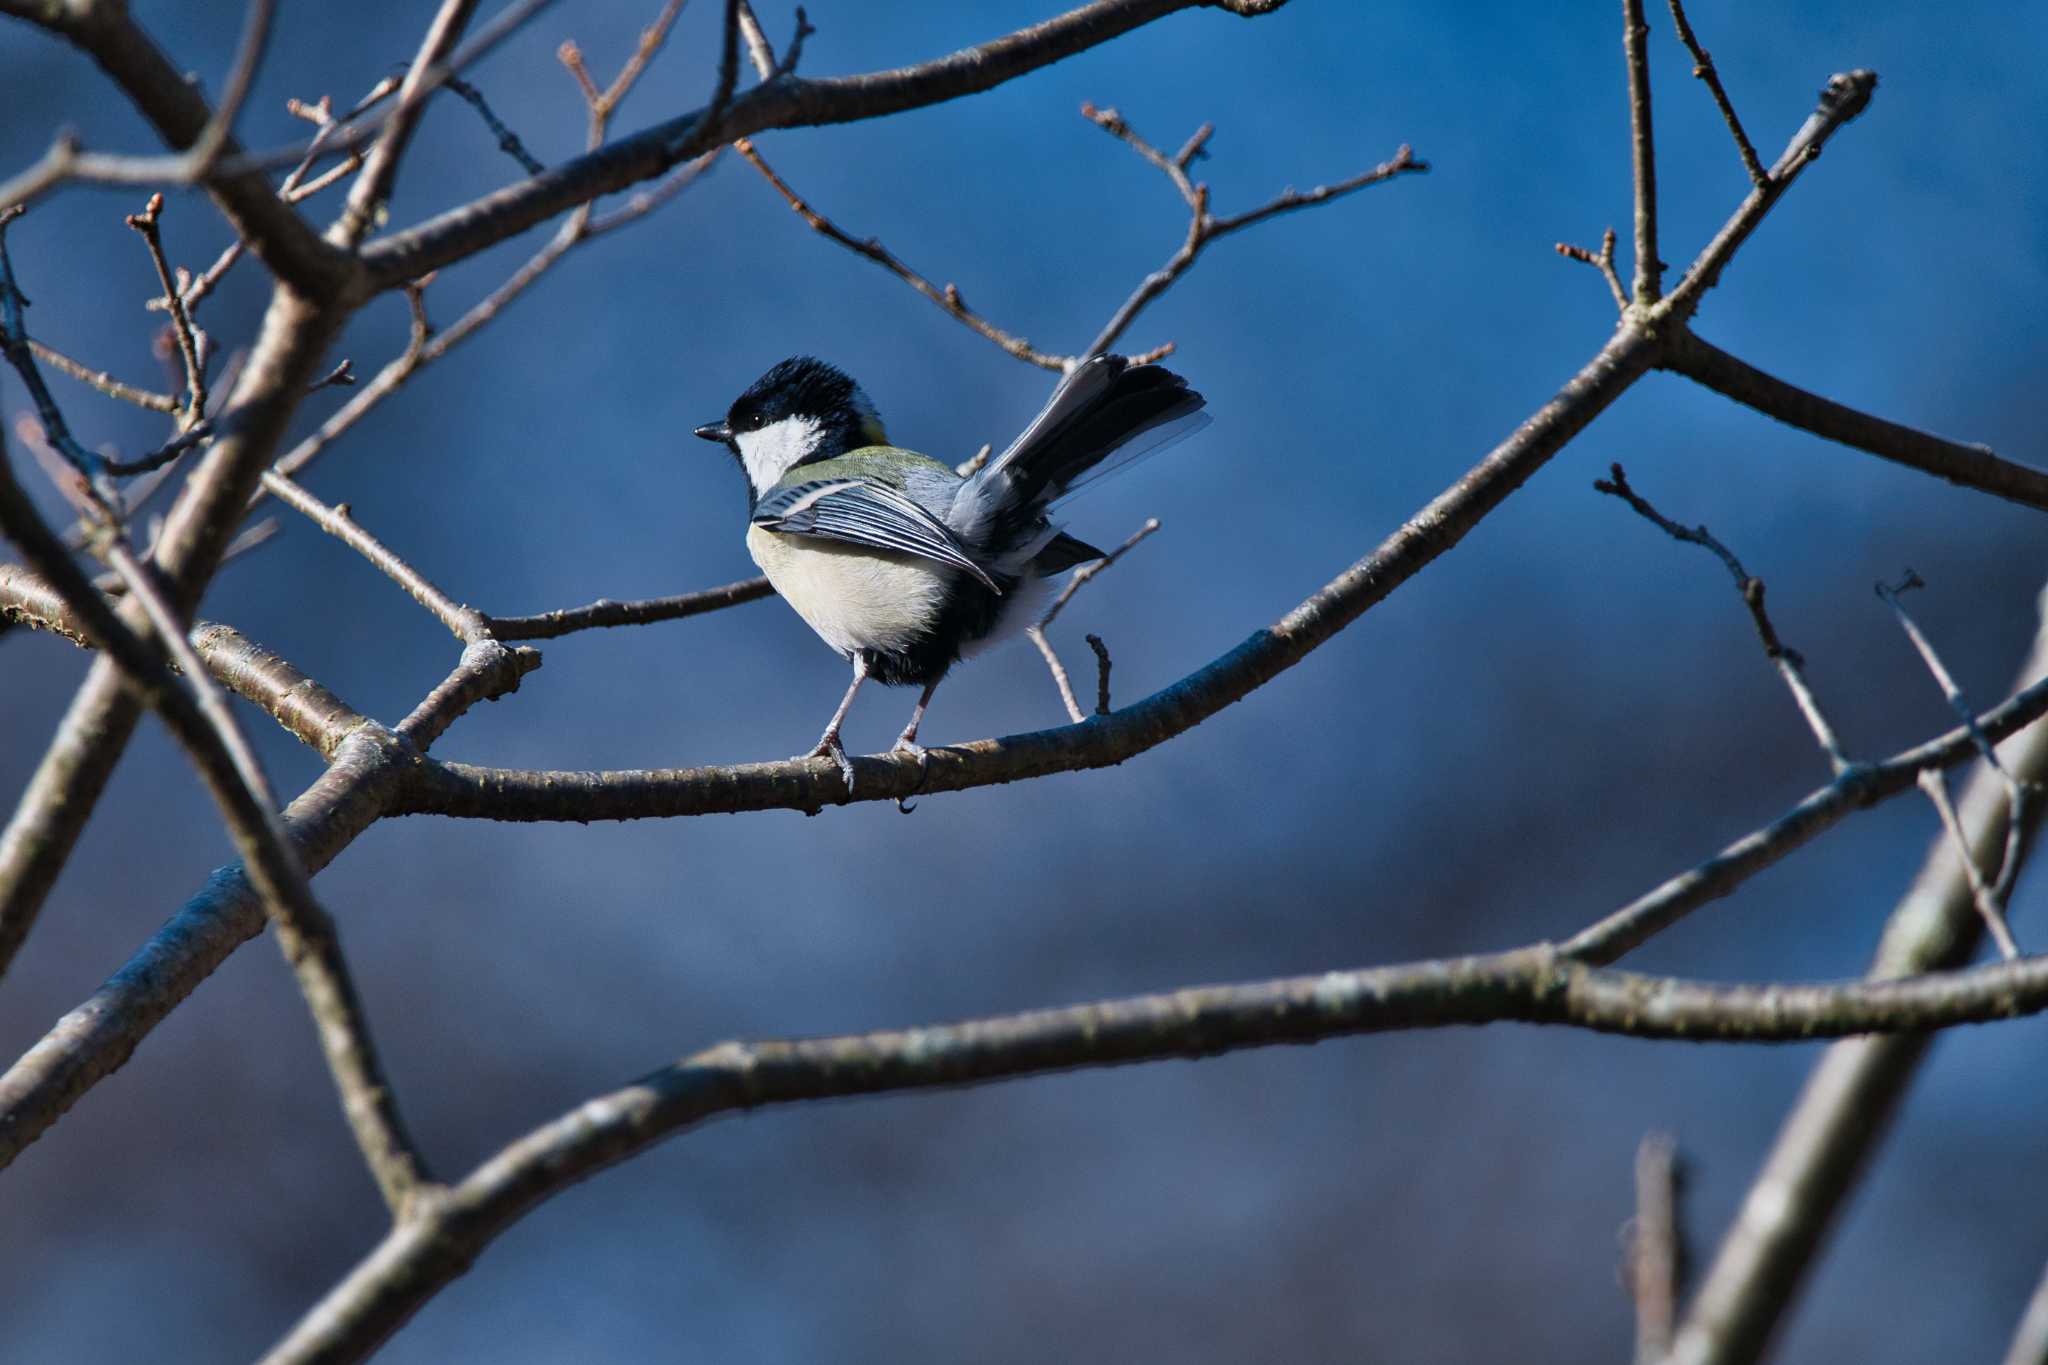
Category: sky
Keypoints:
(1549, 720)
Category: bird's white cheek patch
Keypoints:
(776, 449)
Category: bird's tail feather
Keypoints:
(1101, 406)
(1094, 423)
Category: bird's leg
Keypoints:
(828, 745)
(906, 743)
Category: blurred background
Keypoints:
(1546, 722)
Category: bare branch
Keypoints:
(101, 380)
(1656, 1246)
(948, 299)
(1703, 67)
(1635, 34)
(145, 223)
(785, 103)
(508, 141)
(1858, 787)
(1101, 673)
(1844, 1111)
(1093, 567)
(1972, 466)
(604, 612)
(2030, 1340)
(1203, 227)
(14, 345)
(174, 106)
(1988, 906)
(1060, 680)
(366, 197)
(1847, 95)
(463, 622)
(1990, 896)
(1604, 263)
(1791, 667)
(1036, 633)
(203, 726)
(758, 50)
(422, 1255)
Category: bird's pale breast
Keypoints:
(854, 597)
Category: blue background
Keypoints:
(1565, 710)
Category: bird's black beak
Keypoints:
(716, 431)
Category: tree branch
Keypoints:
(421, 1256)
(199, 721)
(463, 623)
(380, 170)
(947, 299)
(1971, 466)
(605, 612)
(1703, 67)
(812, 783)
(789, 102)
(1656, 1246)
(1844, 1111)
(1790, 665)
(1847, 94)
(1635, 34)
(174, 106)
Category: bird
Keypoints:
(899, 562)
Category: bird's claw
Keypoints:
(906, 745)
(830, 747)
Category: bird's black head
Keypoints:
(800, 412)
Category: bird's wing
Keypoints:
(865, 512)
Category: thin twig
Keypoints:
(1858, 787)
(1093, 567)
(1846, 95)
(380, 169)
(1991, 898)
(1203, 227)
(1649, 271)
(1988, 908)
(1036, 634)
(465, 624)
(145, 223)
(508, 141)
(1790, 665)
(104, 382)
(759, 52)
(948, 299)
(1604, 263)
(342, 376)
(424, 346)
(973, 463)
(162, 455)
(213, 139)
(1101, 673)
(1656, 1252)
(604, 612)
(1703, 67)
(1844, 1112)
(296, 188)
(15, 345)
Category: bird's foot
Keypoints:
(828, 746)
(907, 744)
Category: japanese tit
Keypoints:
(892, 557)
